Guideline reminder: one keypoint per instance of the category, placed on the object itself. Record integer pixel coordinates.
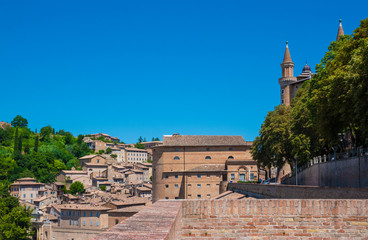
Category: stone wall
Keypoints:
(246, 219)
(352, 172)
(297, 192)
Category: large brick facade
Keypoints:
(188, 171)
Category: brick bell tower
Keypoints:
(287, 78)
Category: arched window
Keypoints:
(230, 157)
(176, 158)
(207, 149)
(208, 157)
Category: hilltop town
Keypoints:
(299, 178)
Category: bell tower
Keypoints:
(287, 78)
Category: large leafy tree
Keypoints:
(19, 121)
(339, 90)
(76, 187)
(14, 219)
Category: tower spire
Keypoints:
(287, 57)
(340, 31)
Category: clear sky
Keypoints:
(148, 68)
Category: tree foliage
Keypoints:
(332, 103)
(76, 187)
(19, 121)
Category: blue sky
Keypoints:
(148, 68)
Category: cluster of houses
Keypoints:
(115, 189)
(101, 142)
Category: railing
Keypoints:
(328, 158)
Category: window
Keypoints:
(282, 101)
(199, 196)
(232, 177)
(84, 213)
(62, 212)
(73, 213)
(176, 158)
(116, 221)
(98, 161)
(97, 214)
(176, 176)
(230, 149)
(208, 195)
(176, 198)
(24, 195)
(91, 223)
(230, 157)
(176, 185)
(91, 214)
(166, 176)
(199, 185)
(97, 223)
(208, 185)
(189, 195)
(84, 223)
(167, 185)
(208, 157)
(70, 222)
(166, 197)
(282, 91)
(199, 176)
(176, 149)
(189, 185)
(207, 149)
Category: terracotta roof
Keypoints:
(135, 149)
(95, 164)
(26, 179)
(87, 157)
(80, 207)
(203, 140)
(74, 172)
(144, 189)
(287, 57)
(26, 183)
(127, 209)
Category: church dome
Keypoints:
(307, 68)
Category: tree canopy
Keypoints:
(76, 187)
(19, 121)
(333, 103)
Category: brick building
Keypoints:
(193, 167)
(135, 155)
(26, 189)
(289, 84)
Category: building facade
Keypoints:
(197, 167)
(26, 189)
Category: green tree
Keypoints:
(19, 121)
(114, 156)
(15, 220)
(46, 132)
(140, 139)
(76, 187)
(108, 150)
(103, 188)
(274, 147)
(139, 145)
(35, 149)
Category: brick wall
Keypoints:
(246, 219)
(274, 219)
